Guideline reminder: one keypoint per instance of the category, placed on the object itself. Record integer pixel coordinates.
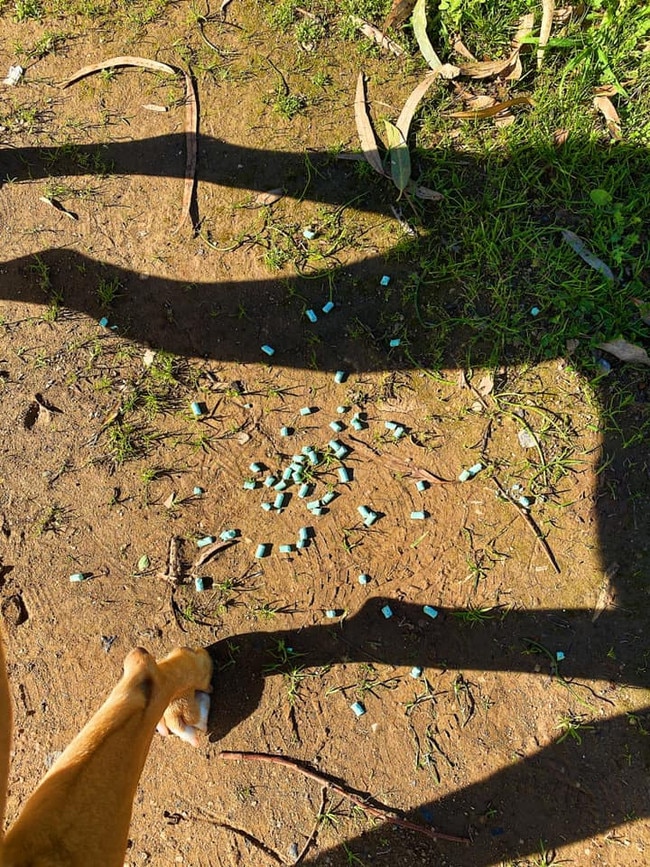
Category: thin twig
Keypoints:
(360, 801)
(537, 533)
(312, 836)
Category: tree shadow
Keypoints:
(597, 789)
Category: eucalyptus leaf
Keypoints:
(400, 158)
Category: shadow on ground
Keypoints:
(596, 785)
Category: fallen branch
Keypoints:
(384, 815)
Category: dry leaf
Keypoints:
(548, 8)
(586, 255)
(112, 62)
(605, 90)
(426, 193)
(400, 11)
(191, 145)
(524, 28)
(607, 595)
(151, 106)
(54, 203)
(490, 68)
(270, 198)
(625, 351)
(461, 48)
(364, 128)
(482, 101)
(411, 104)
(491, 111)
(605, 106)
(420, 31)
(560, 136)
(377, 36)
(485, 385)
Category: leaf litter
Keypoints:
(578, 245)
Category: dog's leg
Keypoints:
(80, 813)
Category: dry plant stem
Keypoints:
(537, 533)
(548, 8)
(312, 836)
(384, 815)
(191, 139)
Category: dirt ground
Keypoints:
(527, 730)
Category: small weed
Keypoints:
(476, 614)
(53, 521)
(572, 726)
(108, 289)
(28, 10)
(289, 105)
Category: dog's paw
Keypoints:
(186, 716)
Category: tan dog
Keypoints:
(79, 814)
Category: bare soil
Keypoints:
(93, 446)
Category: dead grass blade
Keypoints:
(419, 21)
(266, 199)
(191, 145)
(491, 68)
(406, 115)
(463, 50)
(586, 255)
(625, 351)
(492, 110)
(548, 8)
(377, 36)
(112, 62)
(426, 193)
(400, 11)
(400, 158)
(364, 128)
(605, 106)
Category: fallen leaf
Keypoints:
(269, 198)
(485, 385)
(461, 48)
(586, 255)
(14, 76)
(482, 101)
(112, 62)
(572, 344)
(210, 550)
(54, 203)
(400, 158)
(406, 115)
(143, 563)
(524, 28)
(364, 128)
(490, 68)
(148, 357)
(560, 136)
(625, 351)
(170, 502)
(400, 11)
(548, 8)
(377, 36)
(605, 106)
(644, 309)
(420, 30)
(425, 193)
(491, 111)
(191, 145)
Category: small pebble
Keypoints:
(387, 611)
(327, 308)
(430, 611)
(268, 350)
(311, 315)
(206, 540)
(357, 708)
(395, 342)
(262, 550)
